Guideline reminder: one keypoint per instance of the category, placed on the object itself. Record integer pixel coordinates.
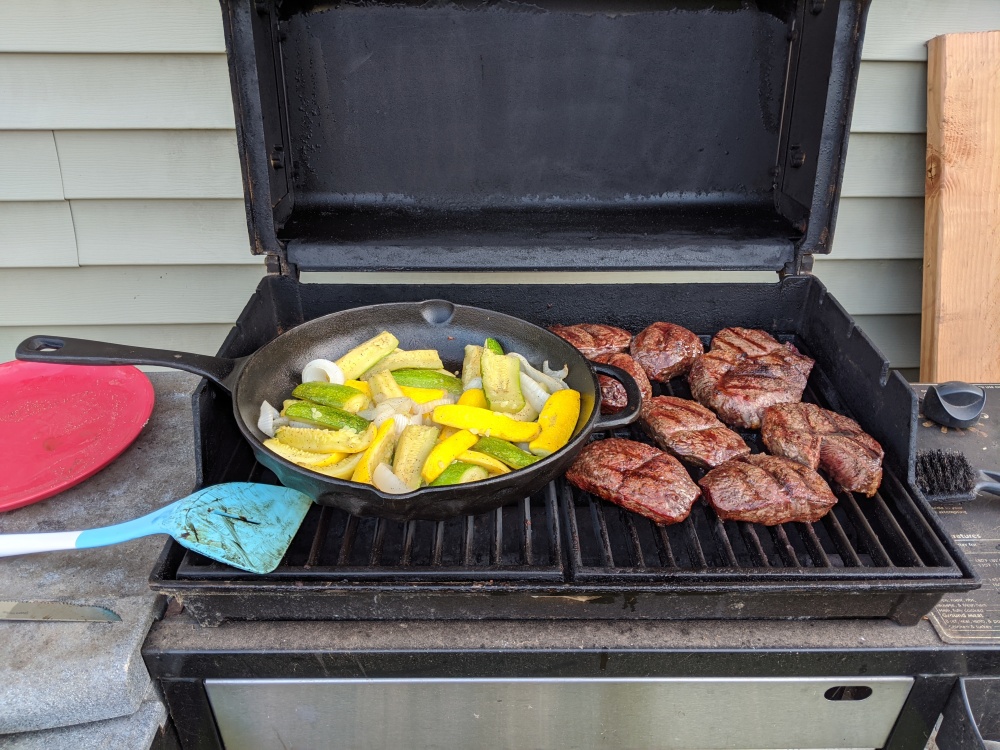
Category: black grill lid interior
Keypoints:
(560, 134)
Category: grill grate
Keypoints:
(862, 538)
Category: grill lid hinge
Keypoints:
(278, 265)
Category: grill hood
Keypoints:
(561, 134)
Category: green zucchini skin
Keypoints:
(328, 417)
(330, 394)
(428, 379)
(460, 473)
(505, 452)
(494, 346)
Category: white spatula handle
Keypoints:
(23, 544)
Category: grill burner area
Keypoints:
(562, 542)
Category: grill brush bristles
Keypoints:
(946, 476)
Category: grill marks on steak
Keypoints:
(637, 477)
(745, 372)
(594, 339)
(613, 397)
(818, 438)
(768, 490)
(666, 350)
(690, 431)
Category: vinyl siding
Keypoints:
(121, 213)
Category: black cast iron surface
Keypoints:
(558, 553)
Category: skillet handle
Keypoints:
(631, 411)
(65, 351)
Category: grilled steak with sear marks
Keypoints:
(665, 350)
(690, 431)
(636, 476)
(593, 339)
(613, 398)
(818, 438)
(767, 490)
(745, 372)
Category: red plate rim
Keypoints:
(39, 454)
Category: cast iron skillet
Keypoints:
(275, 369)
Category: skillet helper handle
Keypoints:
(67, 351)
(631, 411)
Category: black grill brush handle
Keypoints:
(628, 415)
(66, 351)
(989, 482)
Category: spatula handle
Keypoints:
(24, 544)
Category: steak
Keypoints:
(665, 350)
(767, 490)
(745, 372)
(636, 476)
(818, 438)
(613, 398)
(594, 339)
(690, 431)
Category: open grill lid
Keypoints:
(556, 135)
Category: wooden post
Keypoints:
(960, 330)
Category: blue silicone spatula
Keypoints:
(246, 525)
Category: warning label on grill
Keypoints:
(973, 617)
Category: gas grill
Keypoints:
(564, 554)
(698, 135)
(588, 136)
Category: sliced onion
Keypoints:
(474, 383)
(533, 393)
(301, 425)
(322, 371)
(268, 414)
(430, 406)
(545, 381)
(402, 422)
(368, 413)
(524, 447)
(385, 480)
(418, 419)
(557, 374)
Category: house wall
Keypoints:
(121, 213)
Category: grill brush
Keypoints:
(948, 477)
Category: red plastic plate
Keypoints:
(60, 424)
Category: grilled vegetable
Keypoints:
(492, 465)
(322, 371)
(473, 397)
(416, 359)
(471, 365)
(363, 357)
(423, 395)
(384, 387)
(505, 452)
(302, 457)
(502, 382)
(460, 473)
(384, 479)
(412, 450)
(494, 346)
(379, 452)
(339, 396)
(326, 441)
(557, 420)
(360, 385)
(342, 469)
(445, 452)
(328, 417)
(428, 379)
(485, 422)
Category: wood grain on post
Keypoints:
(960, 330)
